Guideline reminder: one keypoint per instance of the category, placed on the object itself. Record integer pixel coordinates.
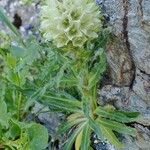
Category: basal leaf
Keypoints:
(96, 128)
(86, 134)
(63, 104)
(38, 136)
(78, 141)
(68, 125)
(116, 115)
(4, 115)
(71, 139)
(116, 126)
(110, 136)
(75, 116)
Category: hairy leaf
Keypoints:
(109, 135)
(116, 126)
(119, 116)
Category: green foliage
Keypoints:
(16, 131)
(64, 79)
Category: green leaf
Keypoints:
(131, 115)
(38, 136)
(64, 127)
(78, 141)
(4, 116)
(71, 139)
(18, 51)
(119, 116)
(35, 96)
(96, 128)
(116, 126)
(110, 136)
(86, 135)
(15, 130)
(63, 104)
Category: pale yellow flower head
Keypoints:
(70, 21)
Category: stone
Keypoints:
(140, 142)
(120, 63)
(125, 99)
(28, 14)
(98, 144)
(112, 94)
(139, 33)
(130, 21)
(141, 86)
(142, 137)
(128, 142)
(144, 119)
(51, 120)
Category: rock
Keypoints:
(143, 137)
(131, 103)
(50, 120)
(140, 142)
(144, 119)
(128, 142)
(124, 99)
(111, 94)
(27, 14)
(130, 21)
(120, 63)
(139, 33)
(101, 145)
(141, 86)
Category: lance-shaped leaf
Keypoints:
(96, 128)
(70, 141)
(116, 126)
(64, 127)
(86, 137)
(78, 141)
(63, 104)
(119, 116)
(110, 136)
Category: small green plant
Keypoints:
(64, 73)
(16, 131)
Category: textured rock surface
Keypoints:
(139, 33)
(131, 21)
(142, 86)
(125, 99)
(27, 13)
(140, 142)
(120, 63)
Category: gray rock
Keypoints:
(145, 118)
(50, 120)
(139, 33)
(120, 63)
(140, 142)
(143, 137)
(98, 144)
(28, 13)
(130, 20)
(124, 99)
(111, 94)
(142, 86)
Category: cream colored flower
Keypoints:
(70, 21)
